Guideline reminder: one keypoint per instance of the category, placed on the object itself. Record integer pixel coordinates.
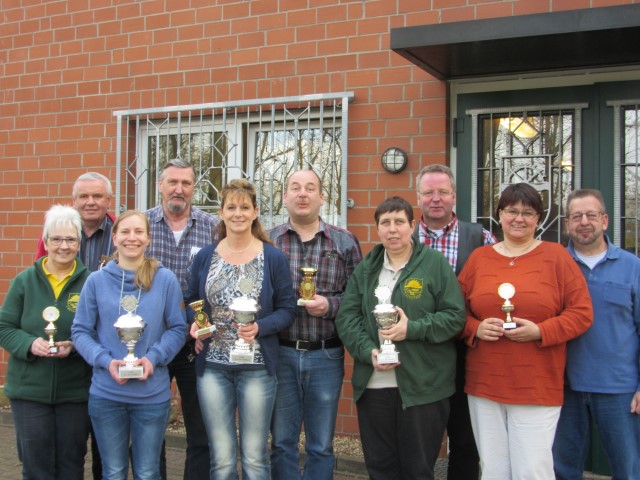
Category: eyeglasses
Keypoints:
(526, 214)
(431, 193)
(57, 241)
(592, 216)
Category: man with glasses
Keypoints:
(602, 372)
(91, 195)
(440, 229)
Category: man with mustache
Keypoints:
(440, 229)
(602, 376)
(311, 354)
(178, 232)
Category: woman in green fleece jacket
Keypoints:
(48, 387)
(402, 407)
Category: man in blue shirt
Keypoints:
(602, 372)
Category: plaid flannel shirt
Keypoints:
(199, 232)
(335, 252)
(447, 243)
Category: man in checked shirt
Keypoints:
(440, 229)
(178, 232)
(311, 354)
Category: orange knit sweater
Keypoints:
(551, 291)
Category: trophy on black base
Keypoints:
(386, 316)
(506, 292)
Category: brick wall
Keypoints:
(65, 66)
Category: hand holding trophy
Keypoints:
(386, 316)
(506, 292)
(245, 311)
(307, 287)
(130, 327)
(50, 315)
(201, 319)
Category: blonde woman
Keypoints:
(135, 411)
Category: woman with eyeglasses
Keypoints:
(525, 299)
(47, 381)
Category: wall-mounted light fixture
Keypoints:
(394, 160)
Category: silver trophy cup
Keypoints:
(130, 328)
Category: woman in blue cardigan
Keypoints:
(237, 364)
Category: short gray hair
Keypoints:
(90, 177)
(436, 168)
(61, 216)
(583, 193)
(178, 163)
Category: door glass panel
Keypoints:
(532, 146)
(631, 178)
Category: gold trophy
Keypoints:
(386, 316)
(130, 327)
(50, 315)
(307, 288)
(201, 319)
(506, 292)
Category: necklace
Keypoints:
(226, 244)
(514, 258)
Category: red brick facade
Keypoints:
(66, 66)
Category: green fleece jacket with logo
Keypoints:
(428, 292)
(40, 379)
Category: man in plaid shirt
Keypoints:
(311, 354)
(178, 232)
(440, 229)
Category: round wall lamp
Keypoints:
(394, 160)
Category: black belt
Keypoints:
(311, 344)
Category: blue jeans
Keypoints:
(196, 464)
(52, 439)
(309, 385)
(618, 429)
(253, 393)
(117, 425)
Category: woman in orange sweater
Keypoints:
(514, 372)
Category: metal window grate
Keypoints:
(264, 140)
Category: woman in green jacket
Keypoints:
(402, 406)
(48, 384)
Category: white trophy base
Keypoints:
(205, 331)
(302, 301)
(509, 325)
(241, 355)
(130, 371)
(53, 350)
(387, 356)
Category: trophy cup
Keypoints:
(244, 310)
(386, 316)
(50, 315)
(130, 327)
(307, 288)
(506, 292)
(201, 319)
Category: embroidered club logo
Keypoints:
(72, 301)
(413, 288)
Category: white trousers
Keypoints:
(514, 441)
